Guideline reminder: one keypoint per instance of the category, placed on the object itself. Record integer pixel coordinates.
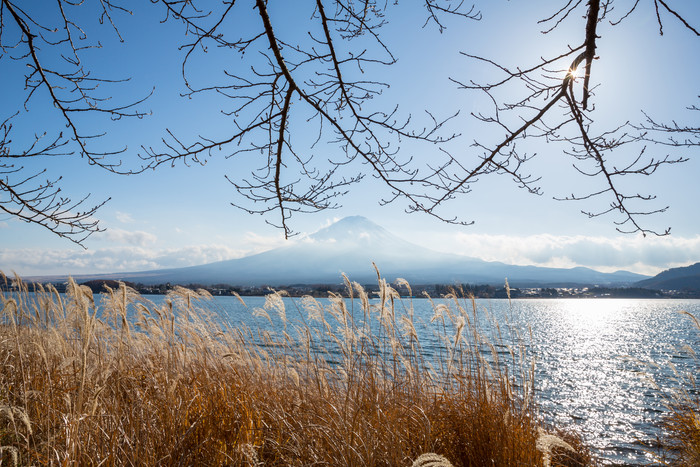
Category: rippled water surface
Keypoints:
(597, 361)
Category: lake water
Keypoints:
(597, 361)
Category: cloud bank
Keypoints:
(127, 252)
(638, 254)
(36, 261)
(138, 251)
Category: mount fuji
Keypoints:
(350, 246)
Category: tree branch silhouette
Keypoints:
(562, 118)
(302, 103)
(55, 72)
(322, 84)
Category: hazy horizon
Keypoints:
(358, 240)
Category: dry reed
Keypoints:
(118, 380)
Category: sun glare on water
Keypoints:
(592, 313)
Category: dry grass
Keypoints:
(683, 442)
(126, 382)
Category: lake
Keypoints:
(603, 367)
(597, 361)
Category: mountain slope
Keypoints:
(685, 278)
(350, 246)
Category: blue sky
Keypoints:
(182, 216)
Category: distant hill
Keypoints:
(350, 246)
(681, 279)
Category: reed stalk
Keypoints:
(119, 380)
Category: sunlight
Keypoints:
(592, 314)
(575, 73)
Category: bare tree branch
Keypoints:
(31, 199)
(322, 84)
(318, 79)
(570, 123)
(52, 55)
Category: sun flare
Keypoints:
(575, 73)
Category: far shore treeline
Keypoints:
(432, 290)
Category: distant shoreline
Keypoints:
(417, 291)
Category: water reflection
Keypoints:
(592, 368)
(597, 360)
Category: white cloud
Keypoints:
(194, 255)
(257, 243)
(126, 237)
(35, 261)
(124, 217)
(647, 255)
(118, 250)
(136, 253)
(329, 221)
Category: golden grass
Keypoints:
(126, 382)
